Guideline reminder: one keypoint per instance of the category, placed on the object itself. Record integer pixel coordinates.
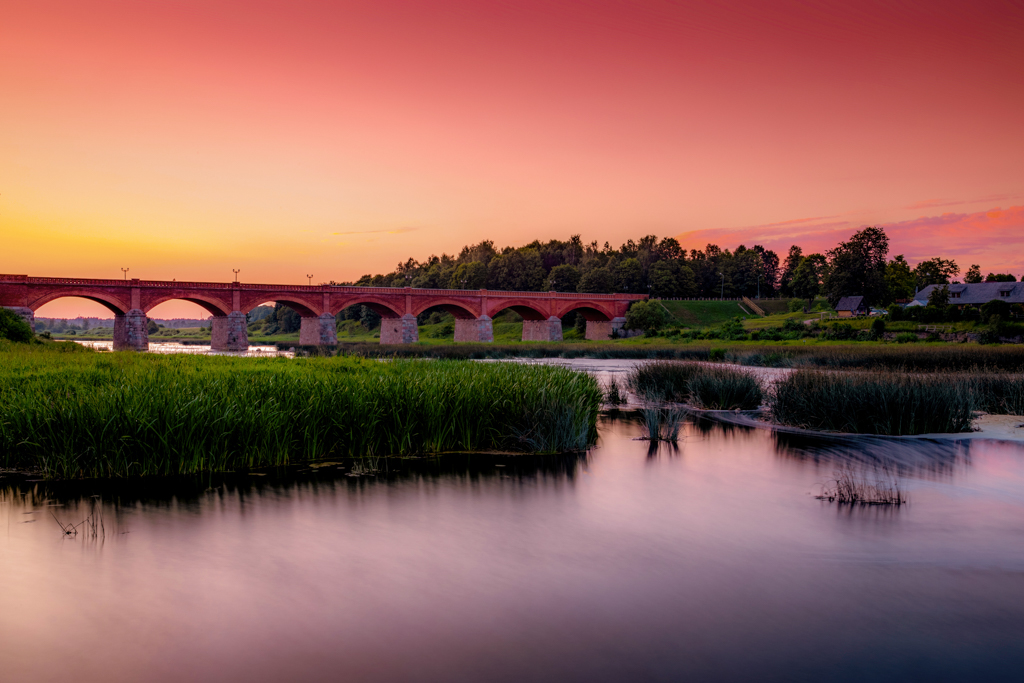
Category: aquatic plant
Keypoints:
(708, 386)
(614, 395)
(662, 423)
(1001, 393)
(850, 487)
(117, 415)
(724, 388)
(662, 380)
(874, 402)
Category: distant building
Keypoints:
(851, 306)
(975, 294)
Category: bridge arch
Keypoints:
(305, 306)
(116, 305)
(527, 309)
(213, 306)
(378, 305)
(588, 309)
(459, 309)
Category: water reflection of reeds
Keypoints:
(349, 473)
(935, 457)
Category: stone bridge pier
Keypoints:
(543, 330)
(474, 329)
(318, 331)
(404, 330)
(228, 332)
(602, 329)
(130, 333)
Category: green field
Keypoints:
(702, 313)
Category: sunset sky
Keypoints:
(183, 139)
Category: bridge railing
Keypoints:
(346, 289)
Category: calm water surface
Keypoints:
(712, 561)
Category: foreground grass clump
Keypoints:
(706, 386)
(876, 402)
(116, 415)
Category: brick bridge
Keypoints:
(228, 303)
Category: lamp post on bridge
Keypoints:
(125, 271)
(310, 278)
(236, 271)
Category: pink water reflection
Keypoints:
(712, 561)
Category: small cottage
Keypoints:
(851, 307)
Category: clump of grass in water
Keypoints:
(614, 395)
(720, 388)
(1001, 393)
(663, 380)
(874, 402)
(119, 415)
(705, 386)
(850, 488)
(662, 424)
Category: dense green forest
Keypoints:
(662, 268)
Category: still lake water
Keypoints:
(710, 561)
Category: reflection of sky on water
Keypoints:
(708, 561)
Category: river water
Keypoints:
(711, 560)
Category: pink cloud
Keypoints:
(994, 238)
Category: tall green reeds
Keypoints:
(713, 387)
(103, 415)
(1000, 393)
(874, 402)
(723, 388)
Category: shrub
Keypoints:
(14, 327)
(906, 338)
(648, 316)
(877, 328)
(995, 307)
(716, 354)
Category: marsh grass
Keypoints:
(713, 387)
(850, 487)
(614, 395)
(1000, 393)
(663, 380)
(662, 423)
(861, 355)
(120, 415)
(875, 402)
(724, 388)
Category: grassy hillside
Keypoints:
(703, 313)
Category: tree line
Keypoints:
(663, 269)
